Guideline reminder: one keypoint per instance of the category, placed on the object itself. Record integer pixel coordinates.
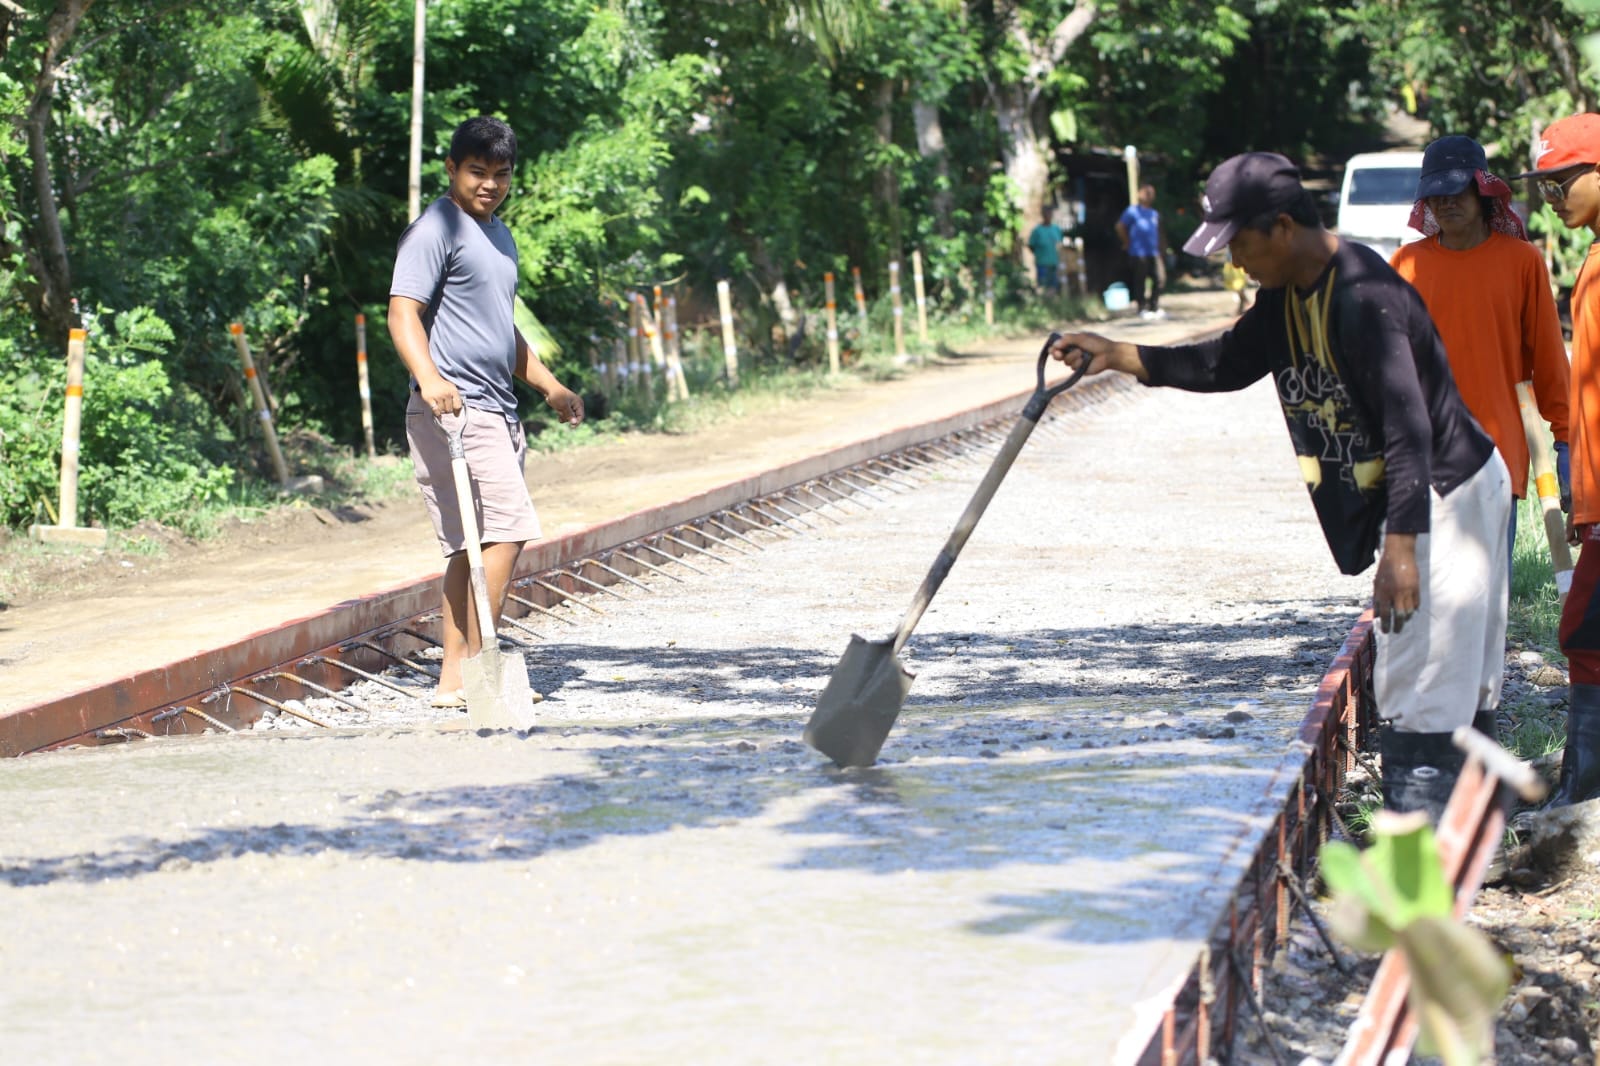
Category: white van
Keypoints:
(1376, 197)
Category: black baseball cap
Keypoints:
(1449, 165)
(1239, 190)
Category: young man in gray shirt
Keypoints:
(451, 318)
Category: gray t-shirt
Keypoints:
(464, 272)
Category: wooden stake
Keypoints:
(988, 286)
(1130, 156)
(922, 296)
(861, 300)
(365, 384)
(833, 325)
(899, 311)
(1077, 259)
(278, 465)
(730, 351)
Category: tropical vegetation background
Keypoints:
(171, 166)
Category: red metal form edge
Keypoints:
(1204, 1017)
(134, 700)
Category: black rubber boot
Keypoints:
(1419, 771)
(1580, 762)
(1486, 723)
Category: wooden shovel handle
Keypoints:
(469, 528)
(986, 489)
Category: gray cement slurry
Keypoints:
(1101, 725)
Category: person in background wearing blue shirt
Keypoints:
(1045, 244)
(1139, 229)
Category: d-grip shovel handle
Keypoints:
(469, 528)
(991, 481)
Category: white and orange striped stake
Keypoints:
(1548, 488)
(833, 324)
(71, 429)
(67, 529)
(669, 323)
(922, 296)
(730, 349)
(365, 384)
(260, 397)
(861, 299)
(988, 286)
(899, 311)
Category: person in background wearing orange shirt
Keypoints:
(1565, 169)
(1488, 293)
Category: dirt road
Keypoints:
(120, 615)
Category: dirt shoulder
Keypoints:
(106, 615)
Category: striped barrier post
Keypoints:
(730, 350)
(668, 313)
(66, 529)
(365, 384)
(861, 300)
(899, 311)
(260, 397)
(922, 296)
(833, 324)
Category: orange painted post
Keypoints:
(899, 311)
(861, 300)
(988, 286)
(833, 325)
(66, 529)
(278, 465)
(922, 296)
(365, 384)
(730, 350)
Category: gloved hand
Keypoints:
(1564, 475)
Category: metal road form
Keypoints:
(1082, 843)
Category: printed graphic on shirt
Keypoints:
(1323, 422)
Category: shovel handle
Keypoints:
(986, 489)
(469, 529)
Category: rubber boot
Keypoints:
(1419, 771)
(1486, 722)
(1580, 762)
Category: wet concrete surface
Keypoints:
(1108, 686)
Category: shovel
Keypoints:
(496, 683)
(862, 699)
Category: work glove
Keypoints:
(1564, 475)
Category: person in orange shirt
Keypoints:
(1566, 172)
(1489, 295)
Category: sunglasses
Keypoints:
(1557, 190)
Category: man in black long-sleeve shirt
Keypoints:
(1394, 462)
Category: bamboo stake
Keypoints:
(922, 296)
(71, 428)
(899, 311)
(861, 300)
(1077, 259)
(365, 384)
(833, 325)
(278, 465)
(677, 384)
(730, 351)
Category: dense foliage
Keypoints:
(177, 165)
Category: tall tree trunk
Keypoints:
(888, 180)
(930, 145)
(49, 295)
(1024, 141)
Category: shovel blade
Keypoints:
(498, 693)
(860, 703)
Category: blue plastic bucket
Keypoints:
(1115, 297)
